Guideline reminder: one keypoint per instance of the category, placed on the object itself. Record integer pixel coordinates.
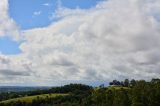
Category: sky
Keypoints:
(56, 42)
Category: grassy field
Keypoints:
(29, 99)
(118, 87)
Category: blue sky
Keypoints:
(8, 46)
(30, 14)
(22, 11)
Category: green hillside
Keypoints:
(124, 93)
(118, 87)
(29, 99)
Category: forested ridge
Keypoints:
(118, 93)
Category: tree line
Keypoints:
(119, 93)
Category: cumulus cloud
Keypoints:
(7, 25)
(12, 73)
(46, 4)
(36, 13)
(13, 68)
(117, 39)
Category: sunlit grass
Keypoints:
(28, 99)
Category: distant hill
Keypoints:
(21, 89)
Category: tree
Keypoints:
(115, 82)
(155, 80)
(126, 83)
(132, 82)
(110, 83)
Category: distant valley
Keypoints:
(21, 88)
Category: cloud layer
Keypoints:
(117, 39)
(7, 25)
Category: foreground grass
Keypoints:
(28, 99)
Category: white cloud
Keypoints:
(7, 25)
(14, 69)
(116, 39)
(36, 13)
(46, 4)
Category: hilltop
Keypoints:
(124, 93)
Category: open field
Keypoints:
(29, 99)
(118, 87)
